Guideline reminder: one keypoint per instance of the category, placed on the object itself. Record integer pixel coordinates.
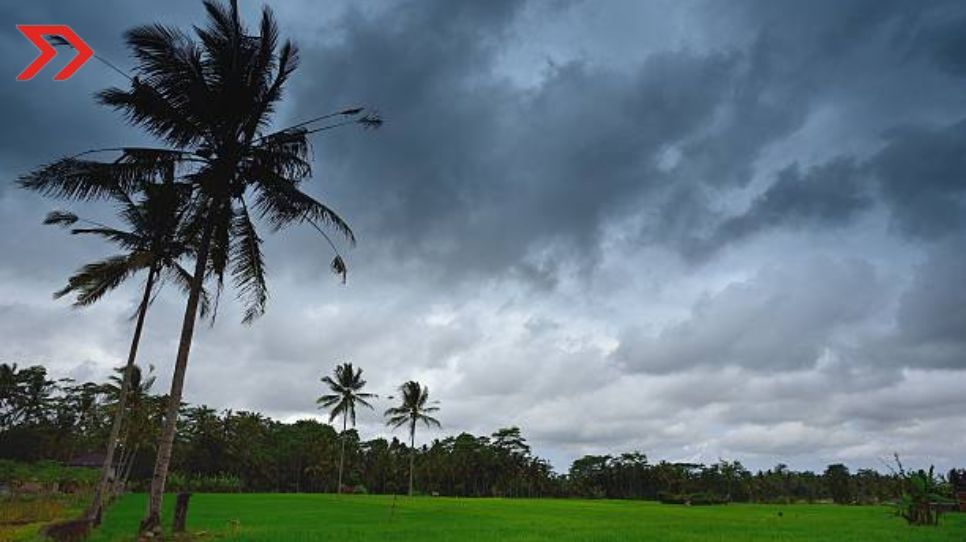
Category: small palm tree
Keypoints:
(346, 392)
(138, 427)
(154, 241)
(415, 407)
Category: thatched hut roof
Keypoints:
(91, 459)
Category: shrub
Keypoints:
(921, 501)
(691, 499)
(49, 475)
(707, 499)
(217, 483)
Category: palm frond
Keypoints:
(220, 251)
(429, 421)
(73, 178)
(168, 96)
(248, 271)
(121, 238)
(361, 399)
(183, 279)
(328, 400)
(94, 280)
(396, 420)
(340, 407)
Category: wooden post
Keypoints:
(180, 512)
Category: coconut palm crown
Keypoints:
(346, 393)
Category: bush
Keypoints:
(691, 499)
(667, 497)
(218, 483)
(921, 499)
(707, 499)
(50, 475)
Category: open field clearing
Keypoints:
(297, 517)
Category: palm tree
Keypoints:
(346, 392)
(154, 242)
(415, 407)
(210, 98)
(138, 428)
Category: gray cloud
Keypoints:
(922, 172)
(781, 319)
(828, 195)
(737, 235)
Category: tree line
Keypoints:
(43, 418)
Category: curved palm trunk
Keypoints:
(412, 455)
(102, 490)
(152, 520)
(121, 481)
(342, 456)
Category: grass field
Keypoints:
(304, 517)
(22, 518)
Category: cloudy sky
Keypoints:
(698, 229)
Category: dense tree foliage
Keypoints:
(42, 418)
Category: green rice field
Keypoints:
(316, 517)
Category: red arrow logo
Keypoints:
(36, 32)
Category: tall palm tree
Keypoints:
(415, 407)
(154, 241)
(210, 98)
(346, 392)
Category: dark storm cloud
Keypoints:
(496, 171)
(46, 119)
(934, 308)
(922, 174)
(931, 319)
(919, 175)
(766, 98)
(679, 241)
(829, 195)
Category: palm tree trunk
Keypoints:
(412, 455)
(342, 455)
(121, 481)
(152, 520)
(102, 489)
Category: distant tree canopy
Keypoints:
(42, 418)
(839, 481)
